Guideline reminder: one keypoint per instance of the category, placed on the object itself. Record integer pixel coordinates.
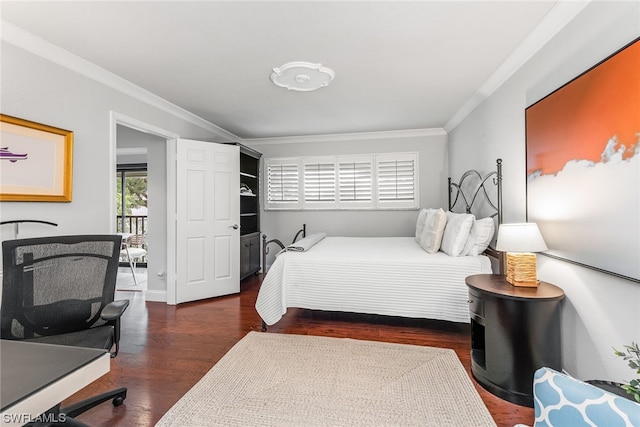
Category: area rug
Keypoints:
(270, 379)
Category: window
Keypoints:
(396, 180)
(320, 182)
(131, 202)
(131, 198)
(282, 183)
(370, 181)
(355, 182)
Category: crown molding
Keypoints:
(38, 46)
(555, 20)
(342, 137)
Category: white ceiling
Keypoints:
(398, 65)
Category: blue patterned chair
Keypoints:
(561, 400)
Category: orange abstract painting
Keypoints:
(583, 166)
(577, 121)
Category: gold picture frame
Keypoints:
(36, 161)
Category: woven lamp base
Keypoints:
(521, 269)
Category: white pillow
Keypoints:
(480, 237)
(422, 216)
(434, 224)
(456, 233)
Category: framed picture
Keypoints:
(36, 161)
(583, 166)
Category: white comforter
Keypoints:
(376, 275)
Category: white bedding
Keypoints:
(376, 275)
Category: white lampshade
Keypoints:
(523, 237)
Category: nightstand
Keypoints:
(514, 331)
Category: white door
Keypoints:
(207, 218)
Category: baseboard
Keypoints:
(155, 296)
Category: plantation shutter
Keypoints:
(319, 183)
(397, 180)
(355, 181)
(282, 184)
(366, 181)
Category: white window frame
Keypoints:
(375, 160)
(358, 204)
(307, 162)
(279, 204)
(401, 203)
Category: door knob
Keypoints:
(235, 226)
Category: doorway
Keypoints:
(140, 146)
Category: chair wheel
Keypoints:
(118, 401)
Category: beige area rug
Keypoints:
(270, 379)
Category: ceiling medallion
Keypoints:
(302, 76)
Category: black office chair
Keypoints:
(60, 290)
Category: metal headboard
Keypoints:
(265, 245)
(470, 197)
(265, 251)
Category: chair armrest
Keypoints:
(114, 310)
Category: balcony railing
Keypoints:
(134, 224)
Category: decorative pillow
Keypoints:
(481, 234)
(434, 224)
(456, 233)
(422, 216)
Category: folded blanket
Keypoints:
(306, 243)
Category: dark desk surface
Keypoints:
(497, 285)
(26, 368)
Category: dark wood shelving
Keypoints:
(249, 212)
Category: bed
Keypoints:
(393, 276)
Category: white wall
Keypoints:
(53, 93)
(600, 311)
(431, 146)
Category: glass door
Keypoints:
(131, 200)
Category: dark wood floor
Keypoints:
(165, 350)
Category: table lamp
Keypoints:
(520, 241)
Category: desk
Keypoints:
(35, 377)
